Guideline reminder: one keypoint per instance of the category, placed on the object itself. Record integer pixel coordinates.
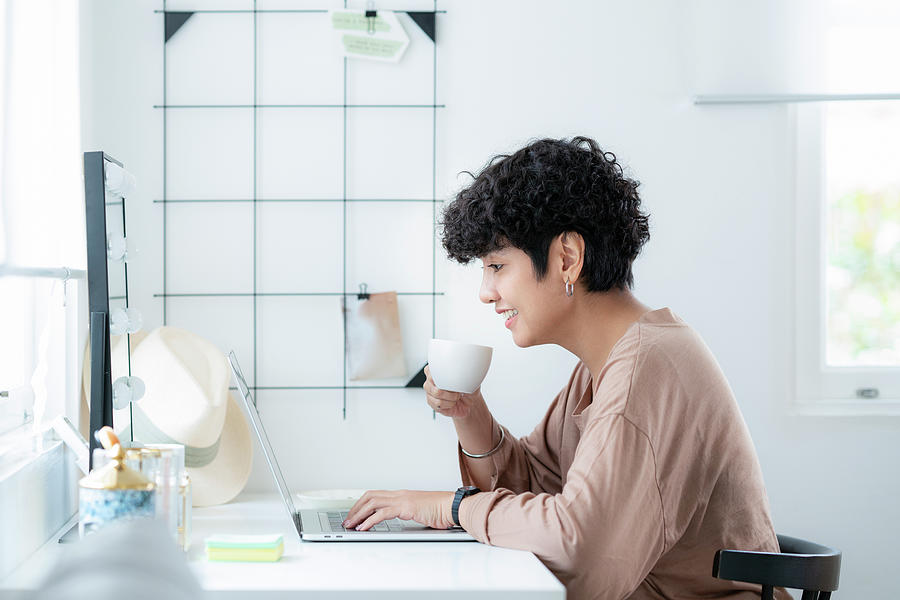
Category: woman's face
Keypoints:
(508, 281)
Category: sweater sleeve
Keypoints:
(532, 462)
(604, 531)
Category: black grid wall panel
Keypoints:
(288, 146)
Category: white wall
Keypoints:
(716, 180)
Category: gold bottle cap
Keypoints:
(115, 475)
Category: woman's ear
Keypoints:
(572, 253)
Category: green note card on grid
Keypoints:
(380, 37)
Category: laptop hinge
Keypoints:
(298, 522)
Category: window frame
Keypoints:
(818, 388)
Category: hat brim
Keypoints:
(226, 475)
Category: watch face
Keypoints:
(469, 488)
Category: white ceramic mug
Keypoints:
(458, 366)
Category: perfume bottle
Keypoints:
(114, 491)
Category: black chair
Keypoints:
(801, 565)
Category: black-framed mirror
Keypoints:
(107, 185)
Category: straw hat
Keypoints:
(187, 402)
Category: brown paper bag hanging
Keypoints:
(374, 343)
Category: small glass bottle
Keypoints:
(171, 464)
(184, 511)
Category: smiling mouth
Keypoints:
(509, 314)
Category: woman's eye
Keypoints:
(495, 267)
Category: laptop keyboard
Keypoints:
(336, 518)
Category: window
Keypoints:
(41, 214)
(862, 234)
(848, 224)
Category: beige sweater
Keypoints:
(630, 483)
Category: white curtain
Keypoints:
(41, 201)
(40, 171)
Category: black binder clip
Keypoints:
(371, 15)
(363, 294)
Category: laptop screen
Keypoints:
(256, 422)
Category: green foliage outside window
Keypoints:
(863, 275)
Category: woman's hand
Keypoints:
(449, 404)
(432, 509)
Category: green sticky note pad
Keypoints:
(245, 548)
(243, 555)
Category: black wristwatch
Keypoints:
(463, 492)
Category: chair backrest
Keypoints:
(801, 565)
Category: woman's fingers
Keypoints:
(436, 392)
(372, 508)
(428, 508)
(447, 408)
(363, 507)
(440, 402)
(382, 514)
(438, 399)
(367, 504)
(449, 404)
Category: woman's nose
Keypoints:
(487, 293)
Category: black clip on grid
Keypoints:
(371, 15)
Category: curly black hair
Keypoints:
(549, 187)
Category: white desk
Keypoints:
(372, 570)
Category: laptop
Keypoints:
(325, 526)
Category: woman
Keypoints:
(642, 467)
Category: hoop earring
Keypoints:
(570, 288)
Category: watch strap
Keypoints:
(461, 493)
